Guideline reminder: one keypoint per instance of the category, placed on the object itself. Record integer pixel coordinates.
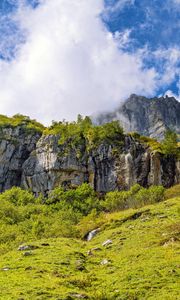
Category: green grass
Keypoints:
(142, 260)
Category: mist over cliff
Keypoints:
(150, 117)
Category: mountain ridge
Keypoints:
(147, 116)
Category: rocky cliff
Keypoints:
(105, 168)
(16, 144)
(38, 162)
(150, 117)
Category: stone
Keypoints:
(107, 243)
(27, 253)
(77, 296)
(27, 247)
(5, 269)
(92, 234)
(28, 268)
(23, 248)
(96, 249)
(89, 252)
(80, 265)
(104, 262)
(16, 144)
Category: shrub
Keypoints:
(149, 196)
(116, 200)
(84, 133)
(20, 120)
(137, 196)
(173, 192)
(82, 199)
(9, 213)
(170, 143)
(18, 196)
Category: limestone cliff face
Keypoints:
(106, 168)
(16, 144)
(49, 166)
(40, 164)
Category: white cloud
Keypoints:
(69, 64)
(171, 94)
(168, 63)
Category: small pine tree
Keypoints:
(169, 144)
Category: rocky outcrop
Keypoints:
(106, 168)
(39, 163)
(150, 117)
(16, 144)
(50, 166)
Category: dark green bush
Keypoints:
(82, 199)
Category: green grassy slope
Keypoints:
(141, 262)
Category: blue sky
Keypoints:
(72, 56)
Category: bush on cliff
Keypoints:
(170, 143)
(83, 132)
(20, 120)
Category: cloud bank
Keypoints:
(70, 63)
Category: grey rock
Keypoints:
(27, 247)
(151, 117)
(27, 253)
(23, 248)
(49, 166)
(77, 296)
(96, 249)
(5, 269)
(16, 144)
(38, 163)
(28, 268)
(80, 265)
(89, 252)
(92, 234)
(107, 243)
(104, 262)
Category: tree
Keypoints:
(169, 144)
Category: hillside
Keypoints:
(149, 117)
(139, 260)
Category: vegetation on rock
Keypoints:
(168, 146)
(170, 143)
(20, 120)
(83, 131)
